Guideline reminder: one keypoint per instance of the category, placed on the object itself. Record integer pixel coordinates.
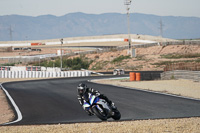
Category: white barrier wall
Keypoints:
(15, 44)
(15, 68)
(42, 74)
(112, 38)
(23, 68)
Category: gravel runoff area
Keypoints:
(177, 87)
(186, 88)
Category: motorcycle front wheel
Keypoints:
(99, 114)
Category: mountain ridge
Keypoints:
(19, 27)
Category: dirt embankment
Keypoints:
(6, 113)
(186, 88)
(185, 125)
(147, 59)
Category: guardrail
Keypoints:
(42, 74)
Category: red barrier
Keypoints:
(35, 44)
(125, 40)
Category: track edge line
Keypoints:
(19, 114)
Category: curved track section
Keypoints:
(55, 101)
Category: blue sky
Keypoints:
(62, 7)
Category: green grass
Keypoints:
(99, 65)
(161, 63)
(75, 64)
(8, 64)
(179, 56)
(120, 58)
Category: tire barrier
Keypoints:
(43, 74)
(118, 72)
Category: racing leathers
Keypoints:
(93, 92)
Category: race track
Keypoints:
(55, 101)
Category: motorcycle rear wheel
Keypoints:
(117, 115)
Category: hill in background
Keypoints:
(16, 27)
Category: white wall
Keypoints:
(42, 74)
(15, 68)
(114, 38)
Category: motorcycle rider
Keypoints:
(83, 89)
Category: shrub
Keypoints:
(99, 65)
(178, 56)
(120, 58)
(8, 64)
(75, 63)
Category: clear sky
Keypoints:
(62, 7)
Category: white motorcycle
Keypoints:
(100, 108)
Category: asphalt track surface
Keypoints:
(55, 101)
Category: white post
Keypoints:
(12, 74)
(57, 74)
(3, 74)
(83, 73)
(39, 74)
(30, 74)
(23, 74)
(75, 73)
(9, 74)
(54, 74)
(26, 74)
(79, 73)
(16, 74)
(43, 74)
(50, 74)
(46, 75)
(36, 74)
(6, 74)
(33, 74)
(62, 74)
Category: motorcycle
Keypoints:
(100, 108)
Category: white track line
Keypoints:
(19, 114)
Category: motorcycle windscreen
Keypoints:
(92, 99)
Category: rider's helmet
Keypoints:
(81, 88)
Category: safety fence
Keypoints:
(181, 74)
(42, 74)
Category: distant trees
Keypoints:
(72, 63)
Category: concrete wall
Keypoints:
(181, 74)
(105, 38)
(23, 68)
(43, 74)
